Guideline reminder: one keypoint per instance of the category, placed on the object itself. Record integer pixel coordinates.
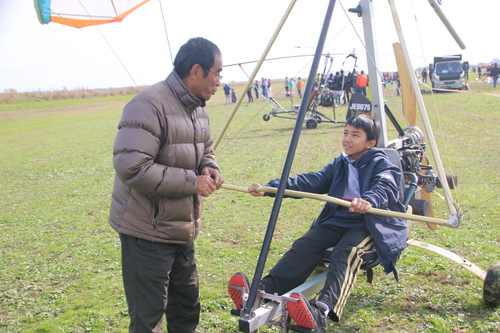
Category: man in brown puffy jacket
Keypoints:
(164, 161)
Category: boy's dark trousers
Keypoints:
(299, 262)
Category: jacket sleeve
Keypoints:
(135, 149)
(312, 182)
(383, 191)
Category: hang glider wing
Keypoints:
(84, 13)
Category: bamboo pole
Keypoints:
(254, 73)
(447, 23)
(410, 112)
(322, 197)
(425, 118)
(479, 272)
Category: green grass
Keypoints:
(60, 261)
(31, 103)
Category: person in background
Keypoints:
(362, 83)
(227, 93)
(343, 86)
(330, 81)
(269, 89)
(337, 87)
(263, 85)
(398, 83)
(300, 86)
(233, 96)
(164, 160)
(351, 85)
(291, 86)
(495, 73)
(363, 175)
(256, 89)
(249, 94)
(424, 75)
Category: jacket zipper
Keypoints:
(195, 167)
(194, 143)
(154, 216)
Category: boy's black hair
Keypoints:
(199, 51)
(370, 125)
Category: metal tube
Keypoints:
(288, 164)
(375, 81)
(423, 113)
(447, 23)
(254, 73)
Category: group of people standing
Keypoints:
(266, 91)
(230, 94)
(291, 85)
(490, 75)
(345, 85)
(494, 72)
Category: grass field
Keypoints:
(60, 261)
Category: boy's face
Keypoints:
(355, 142)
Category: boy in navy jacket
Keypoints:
(364, 174)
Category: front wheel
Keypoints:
(491, 286)
(311, 123)
(266, 117)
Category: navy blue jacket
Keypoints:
(379, 182)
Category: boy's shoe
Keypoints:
(307, 314)
(242, 284)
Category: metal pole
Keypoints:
(288, 164)
(447, 23)
(373, 65)
(254, 73)
(423, 113)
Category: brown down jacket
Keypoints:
(163, 142)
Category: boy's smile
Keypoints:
(355, 142)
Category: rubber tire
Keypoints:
(491, 286)
(266, 117)
(311, 123)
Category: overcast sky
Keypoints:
(137, 51)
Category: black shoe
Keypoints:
(238, 288)
(307, 314)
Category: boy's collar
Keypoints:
(351, 160)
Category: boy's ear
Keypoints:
(372, 143)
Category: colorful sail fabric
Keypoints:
(84, 13)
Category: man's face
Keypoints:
(207, 86)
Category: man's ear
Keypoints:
(196, 72)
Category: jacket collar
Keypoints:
(186, 97)
(364, 159)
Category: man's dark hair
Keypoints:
(370, 125)
(199, 51)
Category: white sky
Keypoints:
(36, 57)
